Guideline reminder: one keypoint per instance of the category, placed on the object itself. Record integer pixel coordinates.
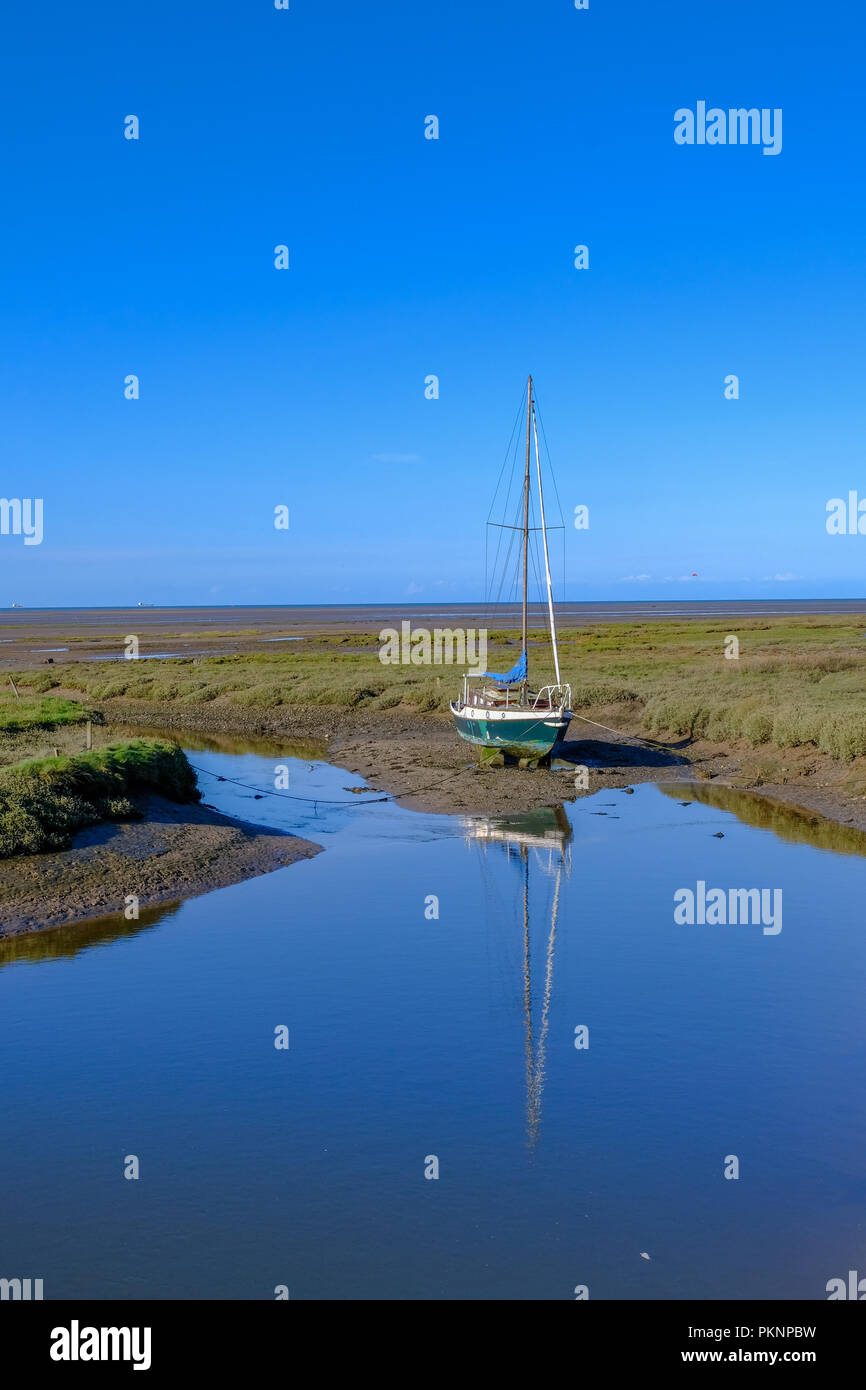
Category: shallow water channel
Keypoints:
(581, 1066)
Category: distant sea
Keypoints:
(371, 616)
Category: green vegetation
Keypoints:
(18, 715)
(45, 801)
(797, 683)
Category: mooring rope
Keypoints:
(412, 791)
(635, 738)
(318, 800)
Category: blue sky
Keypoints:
(412, 257)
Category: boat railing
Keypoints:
(486, 698)
(557, 697)
(548, 697)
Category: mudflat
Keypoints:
(420, 761)
(58, 636)
(763, 696)
(174, 852)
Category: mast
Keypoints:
(526, 524)
(546, 554)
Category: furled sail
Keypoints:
(512, 677)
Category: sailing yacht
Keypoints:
(508, 715)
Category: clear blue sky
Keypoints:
(411, 257)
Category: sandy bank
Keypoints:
(178, 851)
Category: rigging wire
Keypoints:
(512, 541)
(504, 564)
(510, 453)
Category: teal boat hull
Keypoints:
(524, 738)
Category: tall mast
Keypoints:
(546, 554)
(526, 518)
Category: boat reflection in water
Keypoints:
(538, 844)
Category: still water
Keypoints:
(414, 1036)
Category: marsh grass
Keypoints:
(796, 683)
(17, 715)
(45, 801)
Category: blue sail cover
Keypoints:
(512, 677)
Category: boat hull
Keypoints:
(528, 735)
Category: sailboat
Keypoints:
(509, 715)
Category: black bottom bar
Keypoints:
(161, 1338)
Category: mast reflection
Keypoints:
(539, 844)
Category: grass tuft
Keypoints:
(17, 715)
(45, 801)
